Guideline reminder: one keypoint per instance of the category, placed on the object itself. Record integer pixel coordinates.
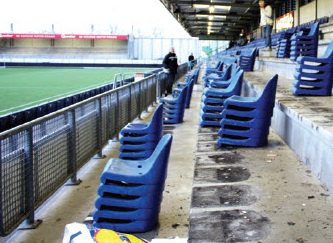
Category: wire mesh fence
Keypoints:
(38, 157)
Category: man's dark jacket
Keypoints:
(170, 62)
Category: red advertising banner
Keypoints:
(63, 36)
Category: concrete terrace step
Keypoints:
(304, 123)
(266, 194)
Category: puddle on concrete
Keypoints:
(221, 175)
(228, 226)
(212, 147)
(207, 137)
(208, 130)
(223, 196)
(219, 159)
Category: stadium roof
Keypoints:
(216, 19)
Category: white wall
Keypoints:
(307, 13)
(157, 48)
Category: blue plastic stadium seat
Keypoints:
(284, 43)
(305, 42)
(180, 86)
(108, 87)
(81, 97)
(129, 214)
(60, 104)
(247, 59)
(246, 120)
(174, 108)
(140, 139)
(42, 110)
(5, 123)
(148, 172)
(217, 68)
(147, 200)
(131, 191)
(51, 107)
(212, 101)
(195, 74)
(76, 98)
(30, 114)
(135, 146)
(17, 118)
(69, 101)
(314, 76)
(218, 76)
(223, 80)
(111, 187)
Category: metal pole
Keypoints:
(72, 149)
(158, 85)
(108, 116)
(139, 100)
(146, 96)
(118, 112)
(99, 128)
(30, 222)
(130, 104)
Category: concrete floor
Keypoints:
(74, 203)
(291, 203)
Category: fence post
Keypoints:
(118, 113)
(72, 149)
(139, 100)
(130, 104)
(108, 116)
(30, 222)
(99, 129)
(146, 96)
(158, 85)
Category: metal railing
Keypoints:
(38, 157)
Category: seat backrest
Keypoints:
(268, 94)
(160, 157)
(329, 51)
(236, 82)
(189, 94)
(314, 30)
(234, 69)
(218, 65)
(220, 68)
(182, 95)
(156, 123)
(227, 73)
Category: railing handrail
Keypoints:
(64, 110)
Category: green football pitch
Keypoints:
(25, 87)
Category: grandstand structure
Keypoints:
(280, 191)
(95, 50)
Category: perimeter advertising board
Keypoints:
(63, 36)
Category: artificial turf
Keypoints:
(24, 87)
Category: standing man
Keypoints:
(266, 22)
(170, 63)
(190, 62)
